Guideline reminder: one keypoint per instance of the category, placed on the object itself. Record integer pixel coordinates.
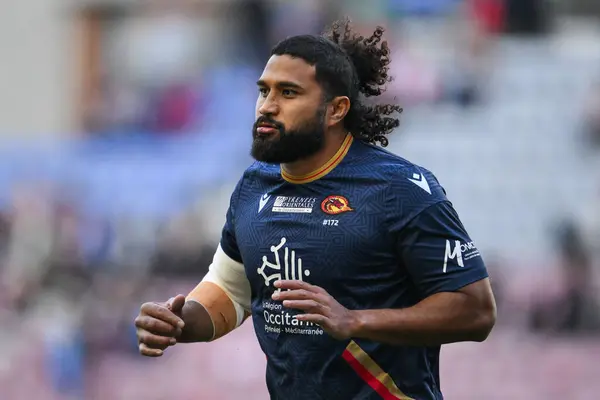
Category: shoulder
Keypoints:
(261, 170)
(257, 172)
(255, 182)
(409, 188)
(405, 179)
(413, 182)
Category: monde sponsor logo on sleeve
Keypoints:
(459, 252)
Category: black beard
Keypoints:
(289, 146)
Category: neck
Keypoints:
(333, 142)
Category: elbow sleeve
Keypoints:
(224, 293)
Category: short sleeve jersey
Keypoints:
(375, 231)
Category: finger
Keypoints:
(318, 319)
(169, 304)
(299, 294)
(310, 306)
(148, 352)
(296, 284)
(163, 313)
(156, 326)
(155, 341)
(176, 303)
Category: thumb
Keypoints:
(175, 304)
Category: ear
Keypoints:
(337, 110)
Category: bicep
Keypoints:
(481, 294)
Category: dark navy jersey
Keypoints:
(376, 232)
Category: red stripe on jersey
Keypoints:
(369, 378)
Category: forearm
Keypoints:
(219, 303)
(198, 323)
(439, 319)
(209, 313)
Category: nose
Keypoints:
(268, 106)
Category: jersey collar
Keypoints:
(325, 169)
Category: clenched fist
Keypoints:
(159, 325)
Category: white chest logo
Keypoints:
(290, 269)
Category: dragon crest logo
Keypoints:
(334, 205)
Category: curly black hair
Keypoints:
(348, 64)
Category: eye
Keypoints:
(289, 93)
(263, 91)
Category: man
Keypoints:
(352, 263)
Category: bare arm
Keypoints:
(215, 307)
(219, 304)
(198, 324)
(446, 317)
(466, 315)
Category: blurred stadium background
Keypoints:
(124, 126)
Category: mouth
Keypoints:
(265, 128)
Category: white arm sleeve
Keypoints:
(230, 276)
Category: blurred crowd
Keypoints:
(501, 101)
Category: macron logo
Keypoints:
(420, 181)
(263, 201)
